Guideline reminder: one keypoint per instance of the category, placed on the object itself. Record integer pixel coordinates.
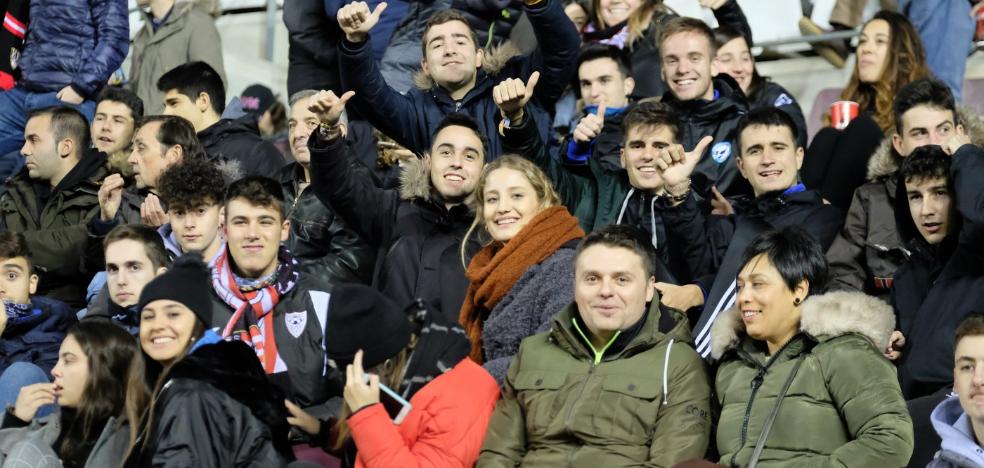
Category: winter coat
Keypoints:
(445, 426)
(400, 54)
(56, 229)
(16, 15)
(74, 42)
(718, 118)
(959, 448)
(31, 446)
(716, 261)
(187, 35)
(418, 239)
(566, 405)
(323, 244)
(843, 407)
(527, 309)
(311, 46)
(37, 337)
(216, 410)
(239, 140)
(770, 94)
(939, 286)
(411, 118)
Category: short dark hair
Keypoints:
(258, 191)
(66, 123)
(125, 97)
(152, 242)
(446, 16)
(625, 236)
(795, 253)
(457, 119)
(176, 130)
(192, 79)
(191, 183)
(973, 325)
(13, 245)
(767, 117)
(926, 162)
(923, 92)
(651, 114)
(597, 51)
(682, 24)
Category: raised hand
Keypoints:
(676, 164)
(328, 107)
(32, 397)
(591, 125)
(152, 212)
(512, 95)
(110, 197)
(713, 4)
(955, 142)
(719, 204)
(681, 298)
(359, 391)
(356, 20)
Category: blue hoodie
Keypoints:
(959, 449)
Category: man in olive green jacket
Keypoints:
(53, 198)
(614, 382)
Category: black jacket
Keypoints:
(417, 237)
(718, 118)
(36, 337)
(312, 54)
(322, 242)
(216, 410)
(770, 94)
(239, 140)
(606, 148)
(726, 237)
(940, 285)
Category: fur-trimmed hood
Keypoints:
(414, 179)
(827, 315)
(495, 60)
(885, 161)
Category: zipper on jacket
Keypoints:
(570, 411)
(756, 384)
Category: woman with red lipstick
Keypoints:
(802, 380)
(890, 55)
(89, 387)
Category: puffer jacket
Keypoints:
(843, 406)
(187, 35)
(31, 445)
(74, 42)
(959, 448)
(56, 228)
(564, 404)
(444, 428)
(323, 244)
(418, 239)
(36, 337)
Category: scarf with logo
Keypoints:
(495, 269)
(253, 305)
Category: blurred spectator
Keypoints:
(959, 418)
(492, 20)
(589, 363)
(112, 128)
(193, 192)
(577, 12)
(947, 31)
(72, 49)
(53, 199)
(418, 229)
(312, 36)
(266, 108)
(845, 15)
(396, 39)
(524, 275)
(890, 56)
(195, 91)
(174, 32)
(790, 357)
(16, 14)
(452, 69)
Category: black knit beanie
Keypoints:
(187, 281)
(359, 317)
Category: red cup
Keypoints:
(842, 113)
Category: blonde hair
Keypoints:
(542, 186)
(639, 21)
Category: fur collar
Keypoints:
(827, 315)
(884, 161)
(495, 60)
(414, 179)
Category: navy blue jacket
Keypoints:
(411, 119)
(36, 338)
(74, 42)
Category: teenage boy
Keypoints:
(959, 420)
(193, 191)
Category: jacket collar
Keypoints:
(729, 99)
(822, 317)
(495, 60)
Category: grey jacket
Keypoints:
(31, 446)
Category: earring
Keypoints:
(797, 301)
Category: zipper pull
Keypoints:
(758, 380)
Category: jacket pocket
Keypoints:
(627, 408)
(542, 396)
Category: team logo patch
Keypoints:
(295, 323)
(721, 151)
(783, 100)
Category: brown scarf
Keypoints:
(495, 269)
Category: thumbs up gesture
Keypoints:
(676, 164)
(512, 95)
(356, 20)
(590, 126)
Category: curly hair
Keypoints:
(191, 183)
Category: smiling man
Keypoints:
(589, 364)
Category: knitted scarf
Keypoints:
(494, 269)
(252, 319)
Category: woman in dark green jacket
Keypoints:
(813, 367)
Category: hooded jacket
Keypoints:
(940, 285)
(564, 404)
(410, 119)
(55, 226)
(843, 406)
(959, 448)
(417, 238)
(188, 34)
(36, 337)
(239, 140)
